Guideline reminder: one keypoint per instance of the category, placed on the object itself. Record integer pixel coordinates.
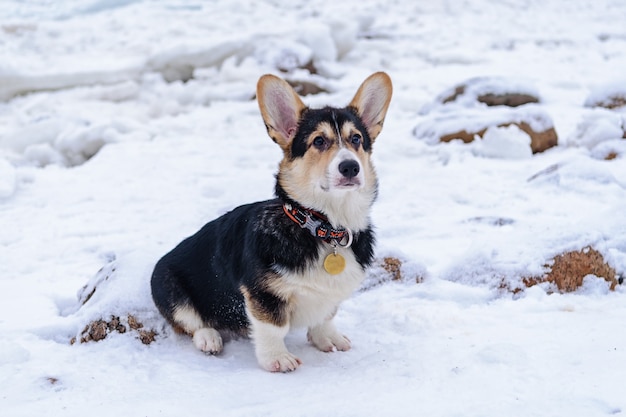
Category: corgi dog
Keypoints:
(266, 267)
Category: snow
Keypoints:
(598, 126)
(604, 94)
(126, 125)
(509, 142)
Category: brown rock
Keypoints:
(492, 91)
(98, 330)
(114, 323)
(458, 91)
(304, 88)
(464, 135)
(539, 141)
(392, 266)
(147, 336)
(133, 323)
(568, 270)
(388, 269)
(508, 99)
(611, 101)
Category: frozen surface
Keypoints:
(126, 125)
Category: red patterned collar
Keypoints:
(318, 225)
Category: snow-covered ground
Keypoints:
(126, 125)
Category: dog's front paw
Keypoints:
(328, 341)
(282, 362)
(208, 340)
(341, 342)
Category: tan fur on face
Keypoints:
(312, 180)
(302, 173)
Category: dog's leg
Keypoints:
(269, 324)
(205, 338)
(326, 338)
(270, 349)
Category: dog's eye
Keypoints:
(356, 139)
(319, 142)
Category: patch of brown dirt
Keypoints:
(99, 329)
(392, 266)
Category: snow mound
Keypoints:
(65, 140)
(489, 91)
(506, 142)
(178, 63)
(467, 124)
(611, 149)
(312, 43)
(169, 81)
(116, 299)
(611, 95)
(15, 82)
(567, 271)
(432, 128)
(480, 106)
(597, 126)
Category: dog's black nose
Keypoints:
(349, 168)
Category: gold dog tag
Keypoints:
(334, 264)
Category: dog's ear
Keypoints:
(371, 102)
(281, 108)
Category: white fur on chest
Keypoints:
(314, 295)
